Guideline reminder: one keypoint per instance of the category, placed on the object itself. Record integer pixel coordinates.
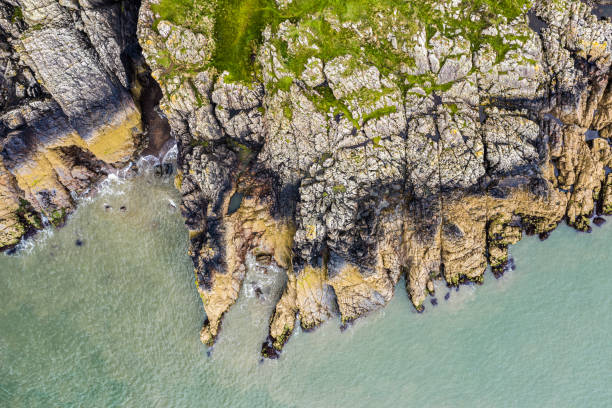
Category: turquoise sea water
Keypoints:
(115, 323)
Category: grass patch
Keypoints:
(238, 31)
(379, 113)
(287, 112)
(325, 101)
(193, 14)
(339, 188)
(237, 27)
(452, 107)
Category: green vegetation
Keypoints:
(581, 223)
(288, 112)
(329, 40)
(27, 215)
(379, 113)
(339, 188)
(237, 27)
(325, 101)
(316, 29)
(187, 13)
(282, 339)
(284, 83)
(57, 217)
(500, 262)
(238, 30)
(452, 107)
(163, 59)
(17, 14)
(24, 206)
(427, 82)
(204, 143)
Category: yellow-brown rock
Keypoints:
(249, 228)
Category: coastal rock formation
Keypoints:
(71, 84)
(351, 144)
(375, 142)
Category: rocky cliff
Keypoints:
(351, 143)
(72, 87)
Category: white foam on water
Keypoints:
(269, 279)
(111, 185)
(26, 246)
(123, 173)
(146, 164)
(171, 155)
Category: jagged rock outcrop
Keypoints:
(72, 85)
(349, 147)
(383, 143)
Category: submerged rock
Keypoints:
(599, 221)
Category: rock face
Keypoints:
(395, 141)
(71, 84)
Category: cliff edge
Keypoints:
(353, 143)
(350, 143)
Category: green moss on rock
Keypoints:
(28, 217)
(57, 217)
(17, 14)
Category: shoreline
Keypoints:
(126, 173)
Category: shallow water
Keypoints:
(115, 322)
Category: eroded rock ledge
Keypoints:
(76, 103)
(385, 143)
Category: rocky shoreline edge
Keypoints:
(77, 103)
(352, 174)
(350, 150)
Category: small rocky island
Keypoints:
(350, 143)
